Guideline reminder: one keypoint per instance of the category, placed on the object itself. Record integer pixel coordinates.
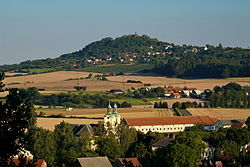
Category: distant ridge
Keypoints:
(167, 59)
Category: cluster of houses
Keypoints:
(181, 92)
(125, 57)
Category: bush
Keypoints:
(133, 81)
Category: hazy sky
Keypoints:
(35, 29)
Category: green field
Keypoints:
(77, 93)
(126, 68)
(133, 101)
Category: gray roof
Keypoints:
(163, 143)
(82, 128)
(231, 122)
(94, 162)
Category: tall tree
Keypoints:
(109, 146)
(1, 83)
(42, 144)
(65, 144)
(15, 115)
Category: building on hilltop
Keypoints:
(112, 117)
(171, 124)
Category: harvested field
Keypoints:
(50, 123)
(56, 81)
(219, 113)
(202, 84)
(14, 73)
(172, 101)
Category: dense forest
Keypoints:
(168, 59)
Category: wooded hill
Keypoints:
(168, 59)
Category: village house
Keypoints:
(245, 148)
(93, 162)
(175, 95)
(170, 124)
(127, 162)
(115, 91)
(163, 143)
(230, 124)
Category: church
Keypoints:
(112, 116)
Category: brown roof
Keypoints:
(28, 161)
(162, 143)
(176, 94)
(224, 157)
(130, 162)
(204, 120)
(179, 89)
(237, 125)
(248, 148)
(94, 162)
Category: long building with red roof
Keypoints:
(171, 124)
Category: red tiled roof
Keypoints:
(237, 125)
(191, 89)
(179, 89)
(132, 161)
(224, 157)
(248, 148)
(204, 120)
(176, 94)
(37, 163)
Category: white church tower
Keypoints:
(112, 117)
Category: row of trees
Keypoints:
(146, 92)
(161, 104)
(189, 104)
(69, 100)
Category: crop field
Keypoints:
(220, 113)
(56, 81)
(50, 123)
(157, 80)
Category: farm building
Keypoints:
(170, 124)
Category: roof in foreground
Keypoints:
(94, 162)
(132, 161)
(204, 120)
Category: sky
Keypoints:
(37, 29)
